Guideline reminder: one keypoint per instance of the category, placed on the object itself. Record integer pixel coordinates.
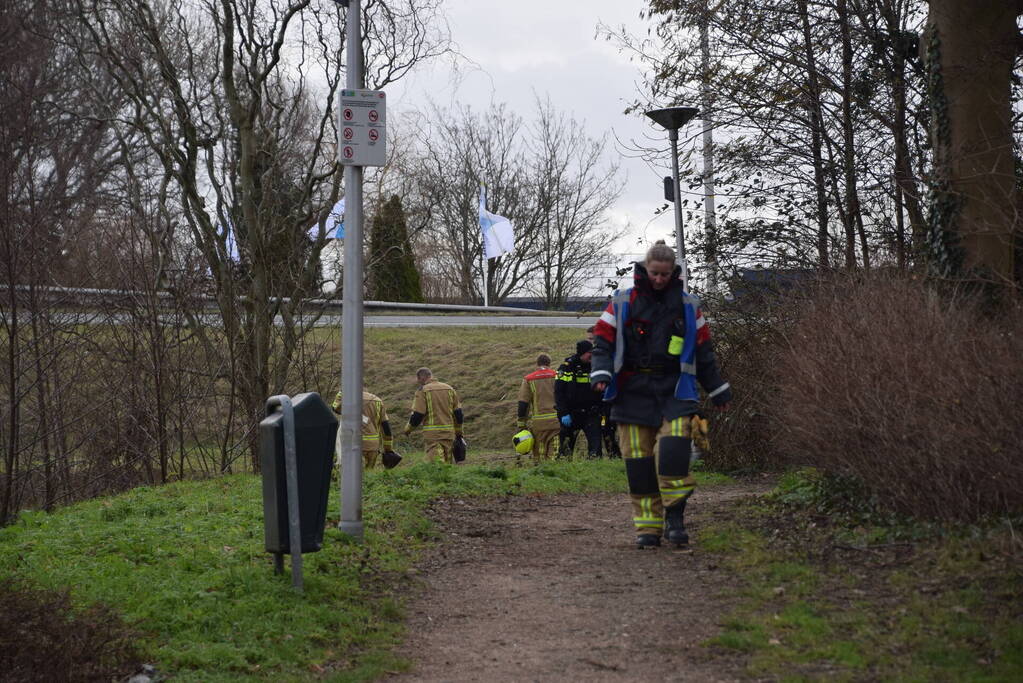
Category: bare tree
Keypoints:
(54, 168)
(574, 187)
(818, 106)
(547, 177)
(235, 101)
(459, 151)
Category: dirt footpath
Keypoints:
(553, 589)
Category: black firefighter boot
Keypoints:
(647, 541)
(674, 525)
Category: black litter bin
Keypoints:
(315, 432)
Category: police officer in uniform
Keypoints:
(608, 432)
(577, 404)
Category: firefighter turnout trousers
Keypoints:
(545, 442)
(657, 466)
(438, 446)
(369, 455)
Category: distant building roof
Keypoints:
(768, 281)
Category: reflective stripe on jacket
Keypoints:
(437, 402)
(537, 390)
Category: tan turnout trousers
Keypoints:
(438, 402)
(639, 441)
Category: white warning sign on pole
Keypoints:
(362, 128)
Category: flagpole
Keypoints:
(483, 250)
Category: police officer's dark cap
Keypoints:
(583, 346)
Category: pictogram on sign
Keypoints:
(362, 128)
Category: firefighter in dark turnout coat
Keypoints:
(577, 404)
(652, 347)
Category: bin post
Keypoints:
(291, 473)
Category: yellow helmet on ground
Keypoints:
(523, 442)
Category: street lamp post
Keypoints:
(672, 119)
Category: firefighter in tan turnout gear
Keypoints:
(536, 402)
(376, 430)
(437, 408)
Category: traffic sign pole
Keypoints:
(351, 313)
(362, 128)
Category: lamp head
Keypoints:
(673, 118)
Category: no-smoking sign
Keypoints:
(362, 129)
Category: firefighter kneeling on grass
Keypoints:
(653, 346)
(437, 408)
(536, 402)
(376, 432)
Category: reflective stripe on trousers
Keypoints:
(638, 441)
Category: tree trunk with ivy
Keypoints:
(971, 47)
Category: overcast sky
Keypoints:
(550, 47)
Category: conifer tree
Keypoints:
(393, 273)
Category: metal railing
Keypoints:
(85, 296)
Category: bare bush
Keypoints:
(911, 390)
(42, 638)
(747, 345)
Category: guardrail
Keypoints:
(86, 295)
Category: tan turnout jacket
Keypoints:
(537, 389)
(438, 402)
(373, 416)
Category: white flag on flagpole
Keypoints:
(334, 229)
(232, 243)
(498, 231)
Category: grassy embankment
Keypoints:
(484, 365)
(184, 563)
(827, 591)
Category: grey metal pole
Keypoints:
(680, 238)
(709, 208)
(291, 478)
(351, 313)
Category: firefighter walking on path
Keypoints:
(652, 347)
(578, 405)
(536, 402)
(437, 408)
(376, 429)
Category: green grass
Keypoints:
(186, 564)
(947, 611)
